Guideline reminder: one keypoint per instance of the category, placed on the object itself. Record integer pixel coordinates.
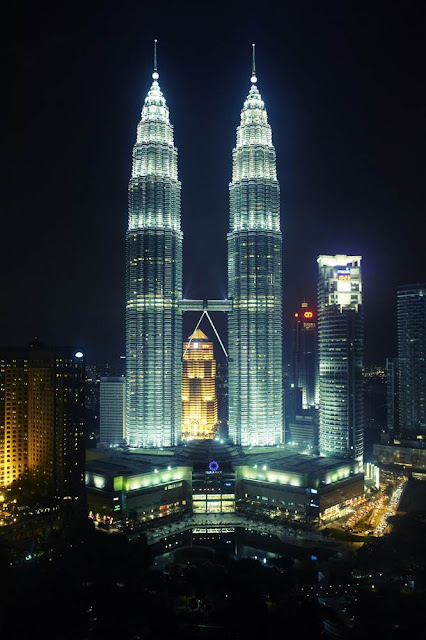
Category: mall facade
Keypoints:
(210, 477)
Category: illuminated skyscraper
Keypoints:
(412, 357)
(199, 400)
(341, 350)
(254, 282)
(305, 355)
(41, 418)
(154, 282)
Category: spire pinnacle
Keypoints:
(253, 78)
(155, 75)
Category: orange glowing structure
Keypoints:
(199, 400)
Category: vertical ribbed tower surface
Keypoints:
(341, 354)
(254, 282)
(154, 282)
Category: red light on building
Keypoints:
(308, 314)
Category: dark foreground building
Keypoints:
(412, 357)
(305, 355)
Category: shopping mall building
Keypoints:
(211, 477)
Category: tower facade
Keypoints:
(392, 394)
(412, 357)
(41, 418)
(112, 410)
(305, 355)
(154, 282)
(199, 399)
(254, 282)
(341, 350)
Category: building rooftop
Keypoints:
(295, 462)
(197, 454)
(121, 463)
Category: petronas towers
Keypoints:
(154, 282)
(254, 282)
(154, 304)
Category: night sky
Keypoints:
(343, 84)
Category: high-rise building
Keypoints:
(412, 357)
(254, 282)
(303, 430)
(305, 355)
(199, 399)
(154, 282)
(392, 394)
(222, 397)
(292, 405)
(13, 415)
(41, 418)
(341, 349)
(112, 410)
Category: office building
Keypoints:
(303, 430)
(375, 401)
(402, 455)
(341, 350)
(222, 397)
(412, 357)
(112, 410)
(154, 282)
(254, 282)
(305, 355)
(199, 399)
(392, 394)
(292, 403)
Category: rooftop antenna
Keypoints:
(253, 78)
(155, 75)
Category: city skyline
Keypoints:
(340, 158)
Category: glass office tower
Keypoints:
(305, 355)
(112, 410)
(254, 282)
(341, 350)
(154, 282)
(412, 357)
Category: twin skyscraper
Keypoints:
(154, 302)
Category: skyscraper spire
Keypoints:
(254, 281)
(155, 75)
(253, 78)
